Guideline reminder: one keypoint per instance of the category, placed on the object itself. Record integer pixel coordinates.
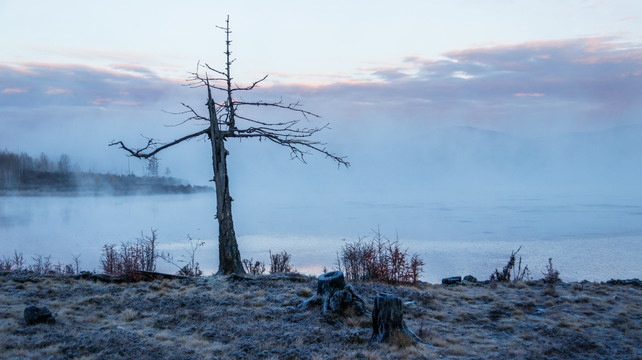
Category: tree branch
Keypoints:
(296, 143)
(153, 147)
(284, 133)
(292, 107)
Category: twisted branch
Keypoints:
(152, 148)
(284, 133)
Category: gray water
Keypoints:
(588, 238)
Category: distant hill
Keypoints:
(21, 174)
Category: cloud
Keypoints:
(547, 85)
(391, 115)
(593, 80)
(135, 70)
(529, 94)
(13, 91)
(41, 84)
(57, 91)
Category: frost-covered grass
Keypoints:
(221, 318)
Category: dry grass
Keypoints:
(218, 318)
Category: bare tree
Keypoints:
(152, 166)
(223, 121)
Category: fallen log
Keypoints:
(140, 275)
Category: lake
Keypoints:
(587, 237)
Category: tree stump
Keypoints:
(334, 295)
(387, 320)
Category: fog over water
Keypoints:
(500, 133)
(461, 197)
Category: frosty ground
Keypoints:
(256, 318)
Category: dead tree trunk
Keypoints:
(335, 296)
(387, 320)
(221, 125)
(228, 251)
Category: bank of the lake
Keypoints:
(257, 318)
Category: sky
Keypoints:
(425, 98)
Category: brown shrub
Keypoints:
(551, 276)
(280, 262)
(379, 260)
(509, 270)
(132, 256)
(15, 263)
(253, 267)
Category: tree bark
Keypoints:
(285, 133)
(335, 296)
(327, 285)
(387, 320)
(228, 250)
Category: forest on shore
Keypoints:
(21, 174)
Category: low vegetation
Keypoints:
(228, 317)
(253, 267)
(40, 265)
(280, 262)
(552, 275)
(256, 316)
(187, 264)
(140, 255)
(518, 274)
(380, 260)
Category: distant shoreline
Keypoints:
(163, 190)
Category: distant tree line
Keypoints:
(17, 170)
(24, 174)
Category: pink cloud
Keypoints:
(126, 103)
(101, 101)
(79, 85)
(14, 91)
(57, 91)
(530, 94)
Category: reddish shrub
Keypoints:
(379, 259)
(280, 262)
(505, 275)
(138, 256)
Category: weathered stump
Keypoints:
(334, 295)
(330, 282)
(387, 320)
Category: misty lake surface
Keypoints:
(587, 237)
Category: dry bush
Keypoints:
(280, 262)
(379, 259)
(15, 263)
(551, 276)
(63, 269)
(42, 265)
(110, 259)
(191, 267)
(76, 265)
(186, 270)
(6, 264)
(253, 267)
(132, 256)
(509, 270)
